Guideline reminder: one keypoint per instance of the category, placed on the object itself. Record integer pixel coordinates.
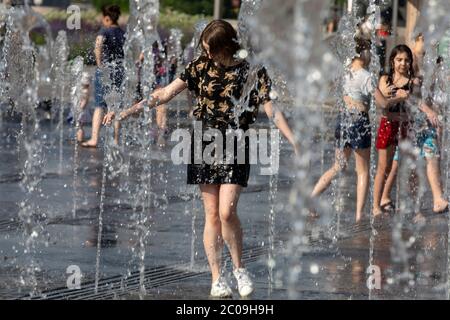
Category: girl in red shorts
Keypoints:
(394, 123)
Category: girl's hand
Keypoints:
(402, 94)
(123, 115)
(108, 118)
(433, 118)
(391, 91)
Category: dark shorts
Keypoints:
(115, 75)
(204, 173)
(353, 130)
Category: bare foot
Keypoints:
(440, 206)
(89, 144)
(377, 212)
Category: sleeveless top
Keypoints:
(400, 107)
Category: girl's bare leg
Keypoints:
(384, 166)
(340, 164)
(434, 178)
(362, 158)
(212, 235)
(386, 196)
(116, 132)
(161, 121)
(80, 134)
(231, 226)
(97, 119)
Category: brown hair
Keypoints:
(401, 48)
(221, 39)
(362, 45)
(112, 11)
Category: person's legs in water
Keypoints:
(213, 240)
(116, 132)
(362, 159)
(101, 106)
(386, 203)
(232, 234)
(385, 157)
(161, 121)
(231, 226)
(212, 236)
(429, 149)
(80, 134)
(340, 164)
(97, 119)
(440, 204)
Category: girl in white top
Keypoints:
(353, 130)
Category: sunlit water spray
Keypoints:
(290, 39)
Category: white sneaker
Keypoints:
(221, 289)
(245, 284)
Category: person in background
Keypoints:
(110, 71)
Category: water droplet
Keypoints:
(314, 268)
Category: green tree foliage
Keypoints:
(124, 4)
(205, 7)
(193, 7)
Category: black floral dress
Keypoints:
(218, 90)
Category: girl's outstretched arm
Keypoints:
(159, 97)
(282, 125)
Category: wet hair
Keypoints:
(362, 48)
(362, 45)
(111, 11)
(221, 39)
(402, 48)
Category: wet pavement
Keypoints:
(333, 266)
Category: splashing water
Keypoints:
(21, 68)
(291, 30)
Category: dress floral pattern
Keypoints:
(218, 90)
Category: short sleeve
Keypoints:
(190, 75)
(264, 86)
(367, 86)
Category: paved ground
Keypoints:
(333, 266)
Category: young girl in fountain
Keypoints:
(427, 127)
(84, 114)
(353, 130)
(217, 78)
(402, 76)
(109, 74)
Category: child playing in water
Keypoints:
(394, 121)
(160, 73)
(427, 127)
(217, 79)
(353, 131)
(84, 114)
(109, 57)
